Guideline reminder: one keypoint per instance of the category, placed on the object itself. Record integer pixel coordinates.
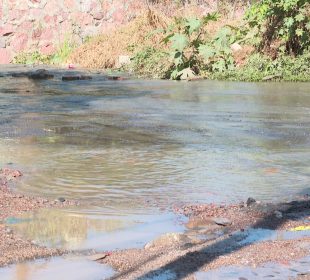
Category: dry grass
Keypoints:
(104, 50)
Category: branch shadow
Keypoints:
(193, 261)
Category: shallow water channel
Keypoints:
(131, 150)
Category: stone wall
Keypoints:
(28, 25)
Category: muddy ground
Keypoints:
(13, 248)
(214, 239)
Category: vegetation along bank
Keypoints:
(268, 40)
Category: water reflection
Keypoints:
(69, 268)
(79, 229)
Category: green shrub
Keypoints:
(60, 56)
(31, 58)
(63, 52)
(284, 22)
(258, 67)
(150, 62)
(193, 51)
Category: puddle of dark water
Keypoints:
(267, 271)
(68, 268)
(75, 231)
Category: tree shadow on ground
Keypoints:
(193, 261)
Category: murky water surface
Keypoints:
(129, 150)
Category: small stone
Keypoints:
(20, 75)
(40, 74)
(278, 214)
(222, 221)
(115, 78)
(235, 47)
(98, 16)
(97, 257)
(272, 77)
(61, 199)
(83, 77)
(169, 240)
(70, 78)
(2, 43)
(198, 223)
(123, 60)
(250, 201)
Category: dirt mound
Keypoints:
(103, 51)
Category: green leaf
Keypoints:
(289, 21)
(167, 38)
(219, 66)
(210, 17)
(299, 32)
(193, 24)
(179, 41)
(300, 17)
(178, 58)
(206, 51)
(174, 74)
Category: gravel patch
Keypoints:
(13, 248)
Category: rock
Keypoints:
(10, 173)
(250, 201)
(272, 77)
(5, 56)
(61, 199)
(199, 223)
(40, 74)
(97, 257)
(70, 78)
(19, 42)
(83, 77)
(2, 42)
(187, 74)
(6, 30)
(222, 221)
(123, 60)
(115, 78)
(169, 240)
(20, 75)
(235, 47)
(98, 15)
(278, 214)
(76, 78)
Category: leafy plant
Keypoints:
(150, 62)
(31, 58)
(193, 51)
(63, 52)
(285, 21)
(258, 67)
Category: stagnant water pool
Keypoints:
(130, 150)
